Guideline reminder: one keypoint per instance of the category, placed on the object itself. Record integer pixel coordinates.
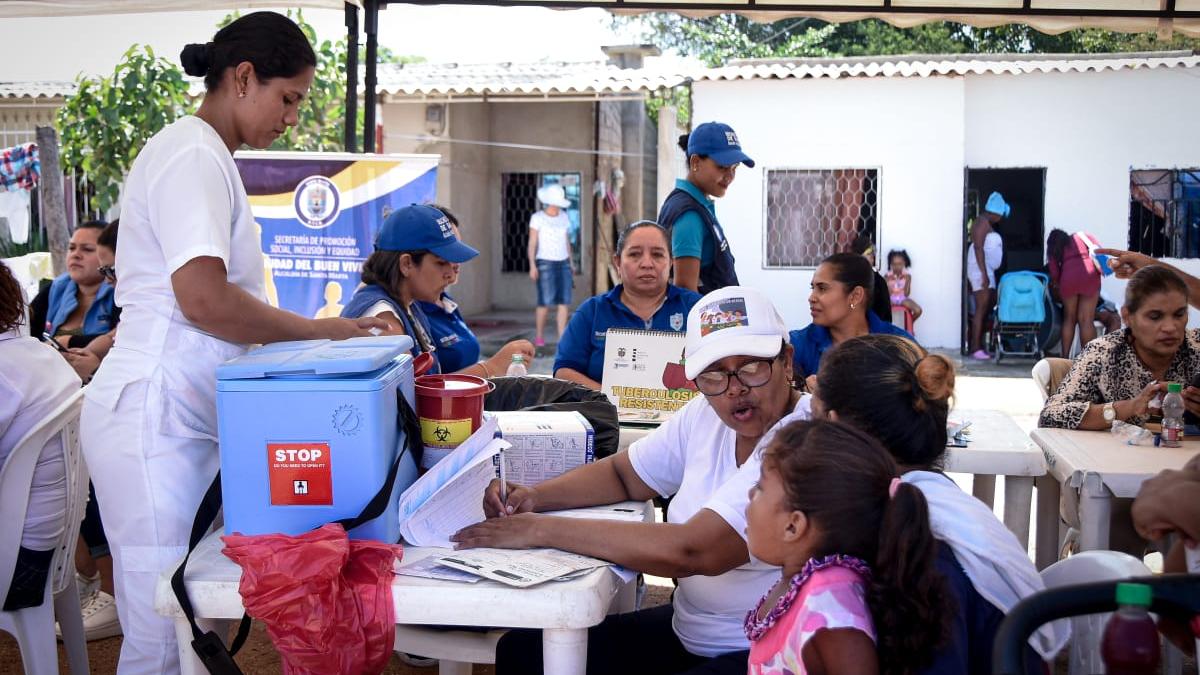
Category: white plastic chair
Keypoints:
(34, 627)
(1086, 631)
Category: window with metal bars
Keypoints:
(814, 213)
(1164, 212)
(519, 194)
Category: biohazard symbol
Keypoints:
(442, 434)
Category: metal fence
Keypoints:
(814, 213)
(519, 195)
(1164, 212)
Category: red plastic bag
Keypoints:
(326, 600)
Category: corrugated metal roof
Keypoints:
(35, 90)
(929, 65)
(548, 78)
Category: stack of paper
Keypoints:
(450, 496)
(521, 568)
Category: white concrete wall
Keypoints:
(911, 130)
(1088, 130)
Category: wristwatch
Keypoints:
(1110, 413)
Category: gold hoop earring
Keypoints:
(241, 94)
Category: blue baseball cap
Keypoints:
(997, 205)
(718, 142)
(418, 227)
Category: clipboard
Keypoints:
(644, 376)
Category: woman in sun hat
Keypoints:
(703, 261)
(550, 258)
(706, 458)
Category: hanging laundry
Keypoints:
(19, 167)
(14, 208)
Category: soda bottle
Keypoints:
(517, 367)
(1172, 423)
(1130, 645)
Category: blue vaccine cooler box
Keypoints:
(309, 431)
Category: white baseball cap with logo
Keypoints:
(732, 321)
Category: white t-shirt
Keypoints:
(552, 235)
(34, 380)
(692, 458)
(183, 200)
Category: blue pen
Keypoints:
(503, 484)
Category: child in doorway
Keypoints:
(859, 592)
(899, 281)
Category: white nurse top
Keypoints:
(183, 200)
(693, 458)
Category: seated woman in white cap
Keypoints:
(706, 458)
(416, 257)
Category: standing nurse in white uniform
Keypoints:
(192, 297)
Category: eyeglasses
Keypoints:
(753, 374)
(108, 272)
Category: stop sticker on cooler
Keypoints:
(301, 474)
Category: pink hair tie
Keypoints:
(895, 485)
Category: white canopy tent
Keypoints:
(1049, 16)
(33, 8)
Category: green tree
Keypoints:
(719, 39)
(107, 121)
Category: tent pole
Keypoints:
(351, 124)
(372, 29)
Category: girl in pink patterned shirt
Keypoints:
(859, 592)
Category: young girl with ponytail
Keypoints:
(859, 592)
(899, 394)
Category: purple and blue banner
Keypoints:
(319, 213)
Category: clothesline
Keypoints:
(20, 170)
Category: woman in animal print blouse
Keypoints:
(1118, 375)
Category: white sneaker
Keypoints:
(100, 617)
(86, 586)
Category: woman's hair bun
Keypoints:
(935, 376)
(683, 142)
(195, 59)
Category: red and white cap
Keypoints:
(732, 321)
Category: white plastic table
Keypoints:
(563, 610)
(997, 447)
(1101, 467)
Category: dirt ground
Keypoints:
(257, 657)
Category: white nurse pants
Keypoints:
(148, 485)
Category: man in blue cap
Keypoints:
(703, 261)
(415, 253)
(983, 259)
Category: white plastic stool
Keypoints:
(1086, 631)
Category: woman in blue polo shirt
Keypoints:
(703, 261)
(842, 290)
(644, 300)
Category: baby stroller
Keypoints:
(1020, 311)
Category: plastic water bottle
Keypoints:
(517, 367)
(1172, 423)
(1130, 645)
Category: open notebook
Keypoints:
(643, 375)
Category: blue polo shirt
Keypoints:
(582, 346)
(810, 343)
(690, 237)
(457, 346)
